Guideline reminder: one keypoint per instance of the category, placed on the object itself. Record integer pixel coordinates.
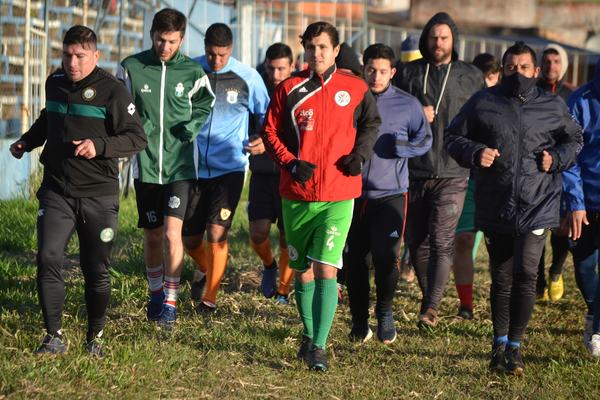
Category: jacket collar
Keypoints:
(174, 60)
(326, 75)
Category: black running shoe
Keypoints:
(514, 361)
(52, 344)
(95, 348)
(465, 312)
(497, 361)
(305, 346)
(206, 309)
(360, 333)
(317, 359)
(197, 289)
(268, 283)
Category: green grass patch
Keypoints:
(247, 349)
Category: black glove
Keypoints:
(352, 164)
(301, 170)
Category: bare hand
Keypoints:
(574, 220)
(85, 148)
(487, 157)
(545, 161)
(255, 145)
(18, 148)
(429, 113)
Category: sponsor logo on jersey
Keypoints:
(146, 89)
(305, 120)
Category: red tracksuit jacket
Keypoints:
(321, 119)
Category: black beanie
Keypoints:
(348, 59)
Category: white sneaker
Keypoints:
(595, 345)
(587, 331)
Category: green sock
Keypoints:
(304, 301)
(324, 305)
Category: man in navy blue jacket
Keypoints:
(379, 214)
(519, 139)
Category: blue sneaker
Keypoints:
(154, 306)
(268, 284)
(167, 317)
(282, 299)
(386, 328)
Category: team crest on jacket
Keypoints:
(179, 89)
(232, 96)
(225, 214)
(88, 94)
(342, 98)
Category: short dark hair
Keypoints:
(79, 34)
(520, 48)
(379, 50)
(168, 20)
(317, 28)
(550, 51)
(279, 50)
(487, 63)
(218, 34)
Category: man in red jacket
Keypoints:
(320, 129)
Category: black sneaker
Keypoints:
(514, 361)
(386, 328)
(305, 346)
(465, 312)
(206, 309)
(498, 362)
(317, 359)
(197, 288)
(268, 283)
(360, 333)
(95, 344)
(154, 306)
(52, 344)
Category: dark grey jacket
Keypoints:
(424, 80)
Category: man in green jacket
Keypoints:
(174, 99)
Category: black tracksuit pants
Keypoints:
(514, 267)
(95, 220)
(377, 227)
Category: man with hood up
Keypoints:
(438, 184)
(554, 64)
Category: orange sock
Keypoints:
(286, 274)
(264, 251)
(216, 269)
(200, 255)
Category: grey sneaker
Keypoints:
(52, 344)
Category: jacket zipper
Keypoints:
(321, 158)
(162, 111)
(518, 169)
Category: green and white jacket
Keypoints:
(173, 99)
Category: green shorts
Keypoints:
(466, 222)
(316, 231)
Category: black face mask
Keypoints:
(517, 84)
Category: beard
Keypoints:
(439, 56)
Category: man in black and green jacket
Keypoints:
(88, 123)
(174, 99)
